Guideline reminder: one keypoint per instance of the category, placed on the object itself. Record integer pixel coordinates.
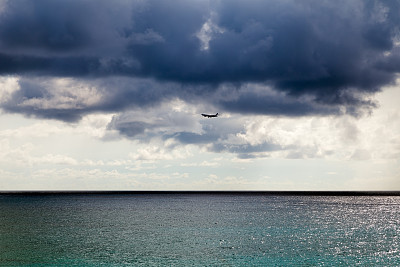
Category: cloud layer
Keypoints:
(282, 58)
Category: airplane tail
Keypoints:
(216, 114)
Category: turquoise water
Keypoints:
(199, 230)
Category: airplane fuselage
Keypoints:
(209, 115)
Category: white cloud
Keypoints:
(331, 137)
(17, 156)
(365, 151)
(204, 163)
(39, 129)
(207, 31)
(64, 93)
(370, 137)
(156, 151)
(8, 85)
(51, 159)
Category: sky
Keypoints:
(107, 95)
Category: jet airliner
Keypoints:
(209, 115)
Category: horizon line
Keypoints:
(204, 192)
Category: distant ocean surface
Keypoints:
(199, 230)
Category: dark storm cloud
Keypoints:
(60, 66)
(43, 97)
(333, 53)
(130, 129)
(66, 27)
(194, 138)
(390, 63)
(33, 91)
(285, 106)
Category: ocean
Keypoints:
(207, 229)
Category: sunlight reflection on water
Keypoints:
(199, 230)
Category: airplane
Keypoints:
(209, 115)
